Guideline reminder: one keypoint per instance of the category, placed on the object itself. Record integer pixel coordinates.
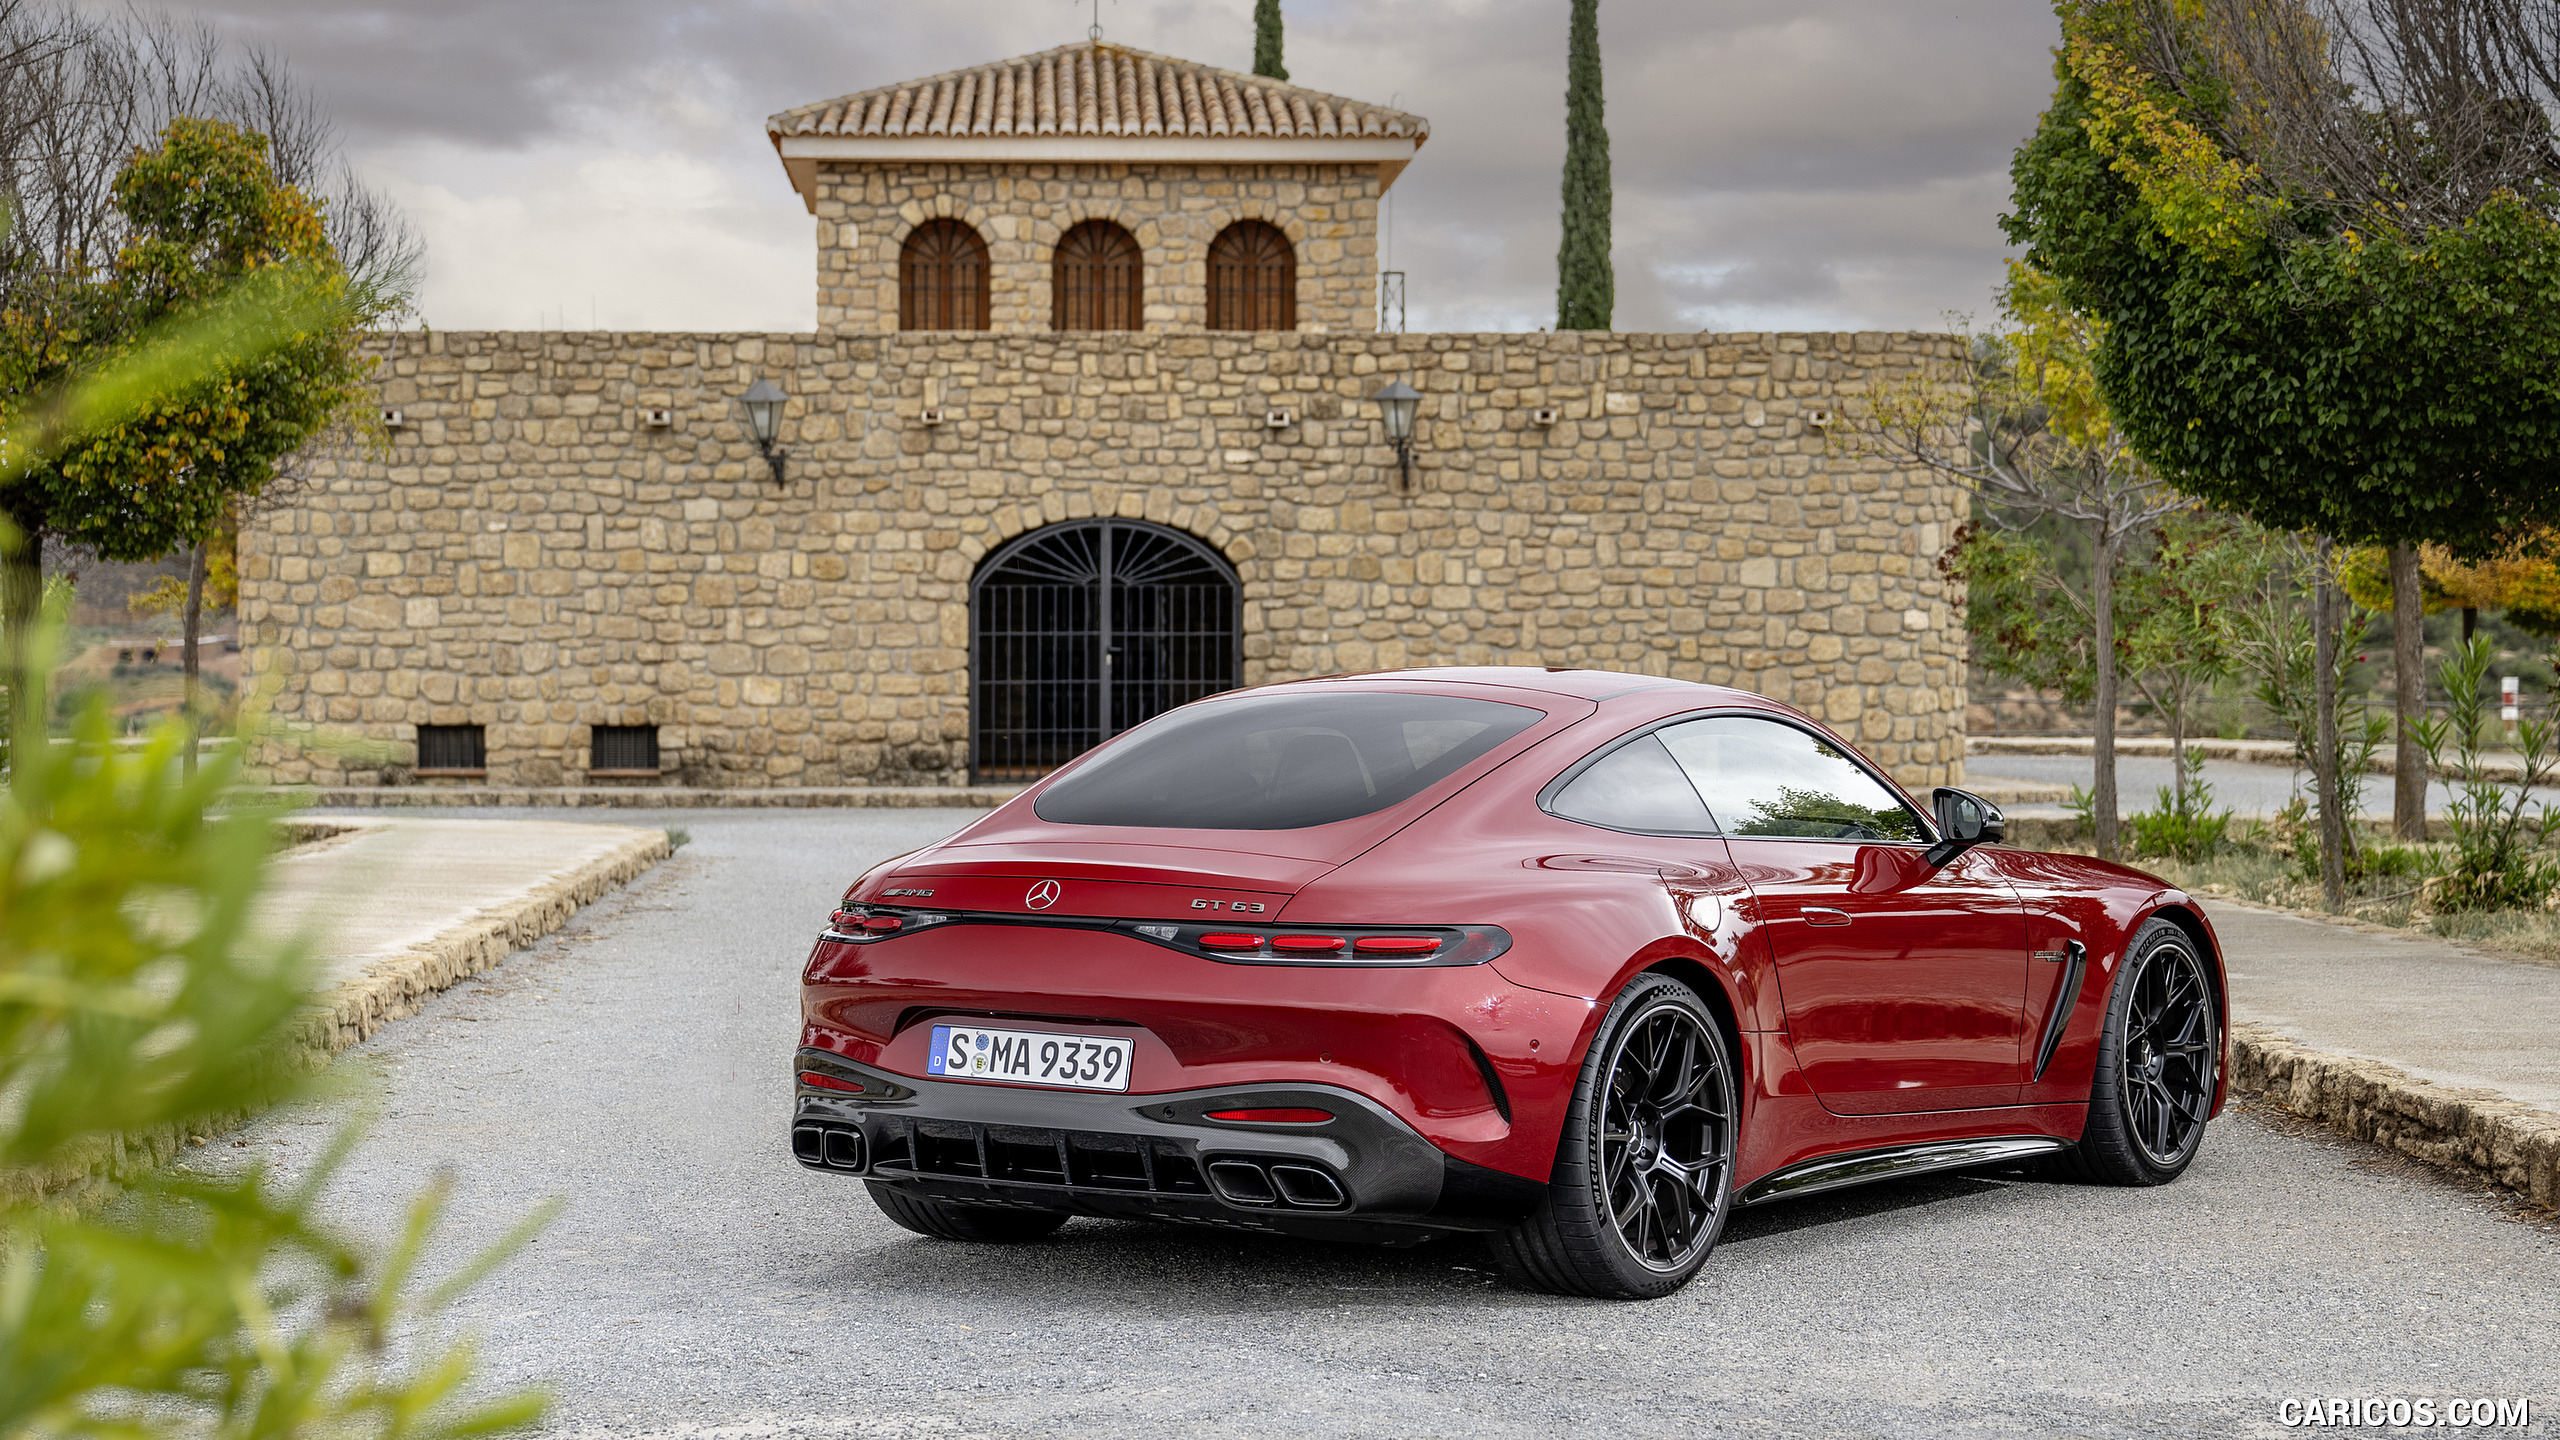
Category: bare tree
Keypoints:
(2017, 421)
(2399, 114)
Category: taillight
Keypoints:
(1344, 945)
(1278, 1115)
(872, 922)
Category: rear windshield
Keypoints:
(1282, 762)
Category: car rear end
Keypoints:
(1069, 1009)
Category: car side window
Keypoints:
(1635, 787)
(1761, 778)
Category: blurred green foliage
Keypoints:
(138, 999)
(140, 1003)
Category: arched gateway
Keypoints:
(1081, 630)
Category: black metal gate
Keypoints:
(1080, 630)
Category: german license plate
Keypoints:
(1030, 1057)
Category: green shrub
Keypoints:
(2496, 864)
(2183, 826)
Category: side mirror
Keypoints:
(1964, 821)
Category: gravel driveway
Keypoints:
(700, 1283)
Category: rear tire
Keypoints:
(944, 1220)
(2159, 1060)
(1643, 1177)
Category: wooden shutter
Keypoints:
(942, 278)
(1253, 279)
(1095, 280)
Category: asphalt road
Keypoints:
(699, 1283)
(2240, 787)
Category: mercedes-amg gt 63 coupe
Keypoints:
(1579, 961)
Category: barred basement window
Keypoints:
(623, 750)
(453, 750)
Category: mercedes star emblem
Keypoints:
(1042, 896)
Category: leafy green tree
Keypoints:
(2018, 420)
(138, 1003)
(2170, 632)
(2182, 606)
(1266, 40)
(2279, 646)
(2523, 580)
(1586, 283)
(2300, 352)
(205, 213)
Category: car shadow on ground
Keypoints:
(1108, 1265)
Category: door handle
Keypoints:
(1825, 915)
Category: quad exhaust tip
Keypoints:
(1251, 1183)
(828, 1148)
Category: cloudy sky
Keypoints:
(1780, 164)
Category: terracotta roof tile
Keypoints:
(1096, 89)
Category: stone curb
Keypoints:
(2476, 1132)
(396, 986)
(391, 988)
(657, 797)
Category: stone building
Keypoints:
(1087, 430)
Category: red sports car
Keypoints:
(1577, 960)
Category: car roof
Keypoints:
(1581, 684)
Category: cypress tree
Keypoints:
(1586, 286)
(1266, 40)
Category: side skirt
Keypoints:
(1893, 1162)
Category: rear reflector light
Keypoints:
(1396, 944)
(1307, 944)
(829, 1082)
(1230, 942)
(1287, 1115)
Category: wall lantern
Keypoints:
(764, 401)
(1396, 406)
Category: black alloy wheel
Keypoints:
(2158, 1064)
(1644, 1176)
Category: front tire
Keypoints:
(1643, 1178)
(946, 1221)
(2159, 1060)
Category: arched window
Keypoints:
(1253, 279)
(1082, 629)
(1095, 280)
(942, 278)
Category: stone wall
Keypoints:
(530, 556)
(866, 211)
